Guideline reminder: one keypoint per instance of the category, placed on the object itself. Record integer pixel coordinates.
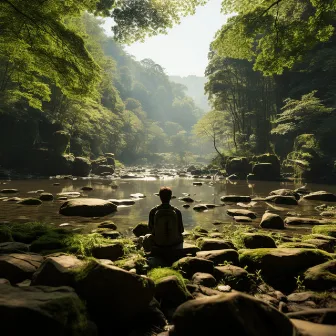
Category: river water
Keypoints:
(128, 216)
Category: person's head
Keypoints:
(165, 194)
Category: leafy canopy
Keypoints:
(275, 34)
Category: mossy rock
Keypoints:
(321, 277)
(257, 240)
(328, 230)
(30, 201)
(28, 232)
(48, 242)
(280, 266)
(5, 234)
(297, 245)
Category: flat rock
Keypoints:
(138, 195)
(186, 199)
(87, 207)
(46, 197)
(329, 214)
(313, 329)
(122, 201)
(302, 221)
(278, 199)
(9, 191)
(235, 198)
(209, 244)
(107, 225)
(69, 194)
(30, 201)
(200, 207)
(17, 267)
(321, 196)
(285, 192)
(220, 256)
(242, 219)
(241, 212)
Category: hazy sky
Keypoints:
(184, 50)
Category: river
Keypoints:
(128, 216)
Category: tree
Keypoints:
(274, 34)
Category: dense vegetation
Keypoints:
(271, 84)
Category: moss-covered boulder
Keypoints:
(111, 252)
(220, 256)
(87, 207)
(328, 230)
(217, 315)
(48, 242)
(257, 240)
(41, 311)
(191, 265)
(280, 266)
(321, 277)
(210, 244)
(81, 167)
(297, 245)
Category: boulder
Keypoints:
(204, 279)
(239, 166)
(104, 169)
(17, 267)
(241, 212)
(42, 310)
(271, 221)
(122, 201)
(141, 230)
(191, 265)
(220, 256)
(307, 328)
(257, 240)
(87, 207)
(217, 315)
(46, 197)
(233, 276)
(60, 141)
(186, 206)
(200, 207)
(235, 198)
(321, 244)
(280, 266)
(57, 270)
(209, 244)
(111, 252)
(81, 167)
(30, 201)
(113, 296)
(321, 196)
(321, 277)
(265, 172)
(286, 200)
(302, 221)
(285, 192)
(13, 247)
(170, 292)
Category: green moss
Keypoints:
(81, 272)
(137, 261)
(296, 245)
(5, 234)
(49, 242)
(328, 230)
(28, 232)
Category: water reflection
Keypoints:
(129, 216)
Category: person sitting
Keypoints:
(165, 224)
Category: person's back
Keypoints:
(165, 223)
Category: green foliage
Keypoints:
(274, 34)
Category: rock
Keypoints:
(224, 288)
(104, 170)
(13, 247)
(9, 191)
(297, 245)
(277, 199)
(41, 310)
(12, 199)
(329, 239)
(186, 206)
(321, 196)
(17, 267)
(46, 197)
(111, 234)
(4, 282)
(170, 292)
(81, 167)
(235, 198)
(87, 207)
(241, 212)
(199, 291)
(197, 183)
(242, 219)
(141, 230)
(30, 201)
(233, 177)
(111, 292)
(191, 265)
(217, 315)
(328, 230)
(220, 256)
(302, 221)
(138, 195)
(174, 253)
(186, 199)
(107, 225)
(279, 266)
(321, 244)
(211, 206)
(122, 201)
(71, 194)
(329, 214)
(200, 207)
(239, 166)
(321, 277)
(271, 221)
(5, 234)
(204, 279)
(209, 244)
(112, 252)
(285, 192)
(313, 329)
(257, 240)
(320, 316)
(56, 184)
(87, 188)
(57, 270)
(233, 276)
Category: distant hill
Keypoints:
(195, 86)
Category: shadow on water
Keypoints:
(128, 216)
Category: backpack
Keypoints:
(166, 229)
